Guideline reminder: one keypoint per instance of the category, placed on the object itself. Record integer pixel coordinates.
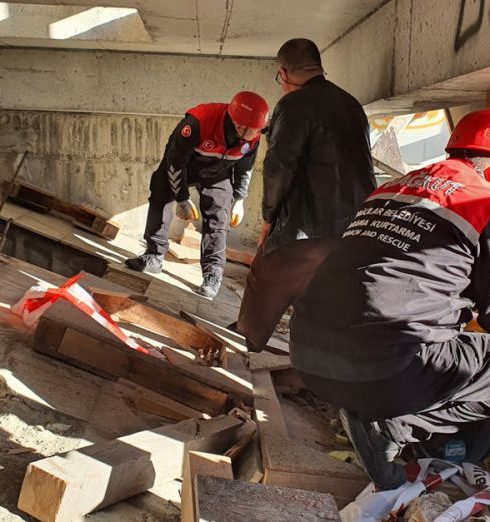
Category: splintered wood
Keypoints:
(197, 341)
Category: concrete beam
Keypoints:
(111, 82)
(415, 55)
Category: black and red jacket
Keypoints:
(205, 149)
(410, 268)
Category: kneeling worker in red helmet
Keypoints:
(379, 331)
(213, 148)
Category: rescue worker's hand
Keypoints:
(186, 210)
(474, 326)
(266, 228)
(237, 213)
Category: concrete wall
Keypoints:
(121, 82)
(102, 159)
(413, 55)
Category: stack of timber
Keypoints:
(227, 436)
(82, 216)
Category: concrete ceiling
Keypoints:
(248, 28)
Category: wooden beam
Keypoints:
(243, 257)
(127, 278)
(244, 436)
(95, 221)
(65, 487)
(292, 464)
(200, 463)
(248, 466)
(191, 237)
(222, 500)
(196, 340)
(268, 361)
(54, 339)
(153, 403)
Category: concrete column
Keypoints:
(415, 55)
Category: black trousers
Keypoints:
(215, 202)
(444, 390)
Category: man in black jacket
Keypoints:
(213, 148)
(317, 172)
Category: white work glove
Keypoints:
(237, 213)
(186, 210)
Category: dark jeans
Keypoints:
(215, 203)
(275, 281)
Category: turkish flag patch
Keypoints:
(186, 131)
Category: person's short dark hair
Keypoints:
(298, 54)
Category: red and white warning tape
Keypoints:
(38, 299)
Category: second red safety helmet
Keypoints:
(472, 132)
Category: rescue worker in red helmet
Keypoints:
(213, 148)
(380, 330)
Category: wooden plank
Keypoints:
(47, 382)
(31, 196)
(190, 237)
(106, 229)
(222, 500)
(243, 257)
(43, 201)
(248, 466)
(236, 384)
(119, 361)
(268, 361)
(200, 463)
(292, 464)
(184, 253)
(196, 340)
(65, 487)
(153, 403)
(127, 278)
(244, 436)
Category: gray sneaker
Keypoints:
(210, 285)
(151, 263)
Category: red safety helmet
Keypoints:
(248, 109)
(472, 132)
